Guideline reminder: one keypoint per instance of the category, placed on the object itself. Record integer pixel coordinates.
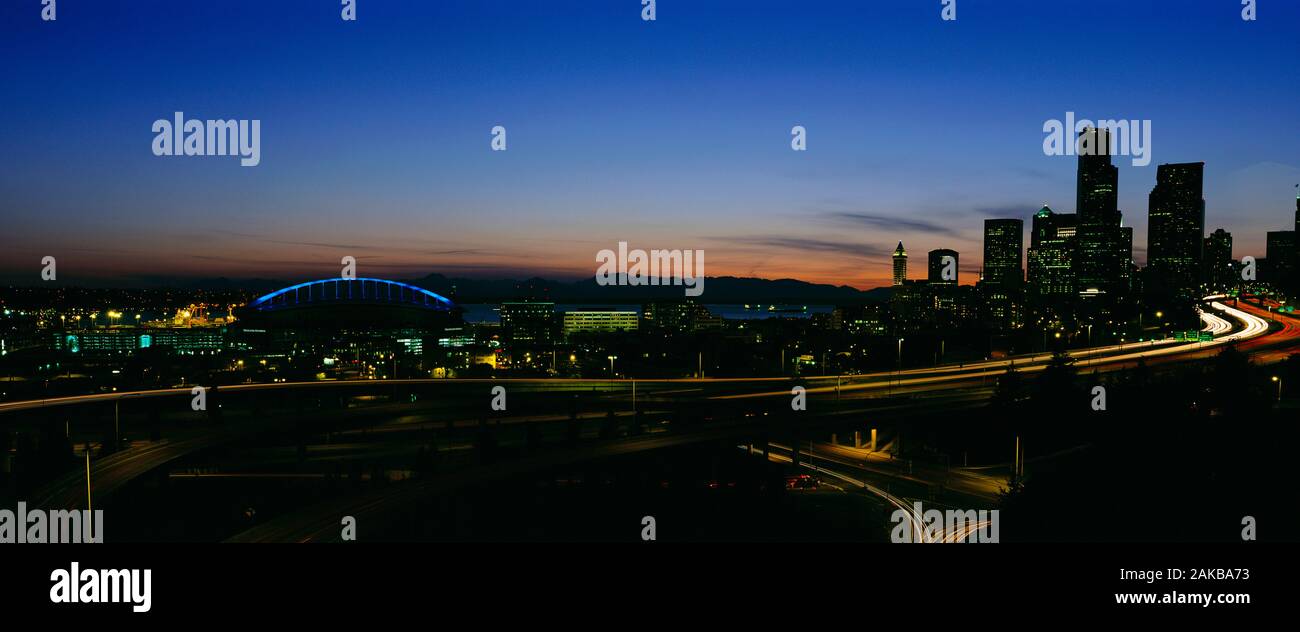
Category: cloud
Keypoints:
(1023, 211)
(890, 222)
(806, 244)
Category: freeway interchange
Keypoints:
(877, 396)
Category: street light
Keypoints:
(899, 370)
(1279, 387)
(611, 367)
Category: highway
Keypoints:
(965, 385)
(876, 474)
(1115, 356)
(1252, 319)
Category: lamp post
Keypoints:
(611, 369)
(1279, 387)
(899, 367)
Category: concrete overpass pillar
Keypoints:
(873, 439)
(857, 438)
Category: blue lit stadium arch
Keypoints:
(341, 292)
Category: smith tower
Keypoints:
(900, 264)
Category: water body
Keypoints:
(487, 312)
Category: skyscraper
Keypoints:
(937, 267)
(1280, 251)
(1102, 263)
(1282, 255)
(1052, 245)
(1003, 241)
(900, 264)
(1002, 278)
(528, 323)
(1217, 259)
(1176, 226)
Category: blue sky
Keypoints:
(666, 134)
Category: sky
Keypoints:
(376, 134)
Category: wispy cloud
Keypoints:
(807, 244)
(891, 222)
(1016, 210)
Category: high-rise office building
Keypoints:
(1280, 253)
(1002, 276)
(1103, 261)
(1003, 241)
(528, 323)
(900, 264)
(942, 271)
(1282, 256)
(1053, 240)
(1176, 226)
(678, 316)
(1219, 270)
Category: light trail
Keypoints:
(1213, 324)
(920, 533)
(1254, 327)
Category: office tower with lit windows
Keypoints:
(1281, 265)
(528, 323)
(1003, 241)
(937, 265)
(900, 264)
(1053, 241)
(1219, 270)
(1103, 261)
(1280, 255)
(1002, 276)
(1176, 227)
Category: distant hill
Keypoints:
(256, 286)
(725, 289)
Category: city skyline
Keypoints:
(463, 276)
(679, 158)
